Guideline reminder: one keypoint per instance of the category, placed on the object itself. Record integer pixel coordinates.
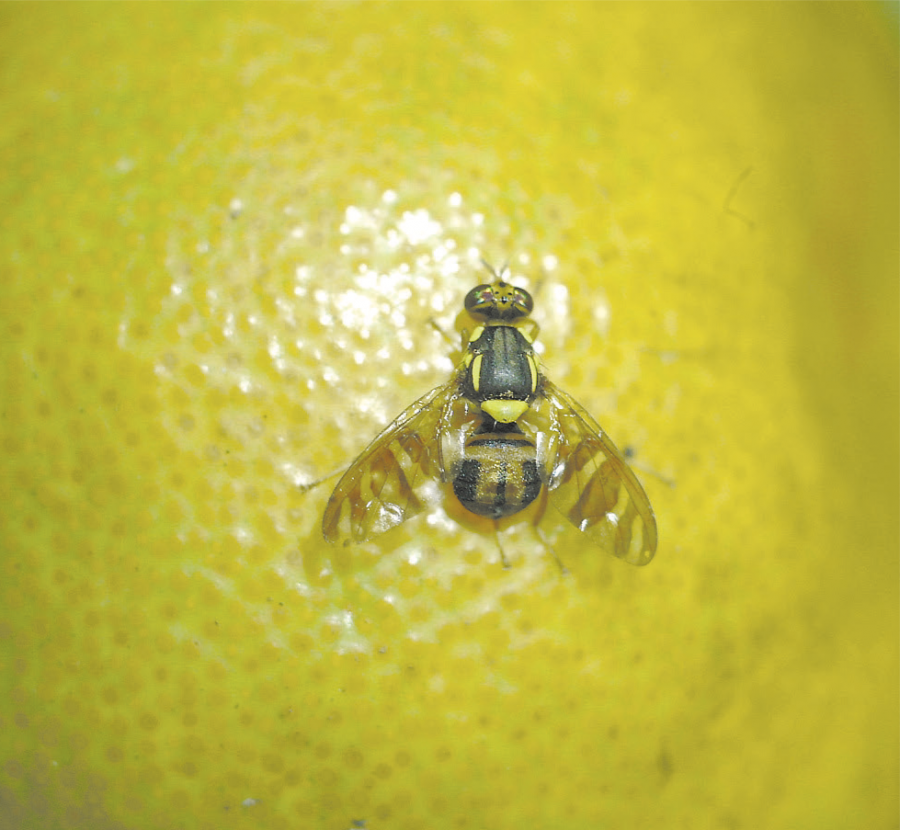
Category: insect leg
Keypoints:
(503, 558)
(310, 485)
(563, 570)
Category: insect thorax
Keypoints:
(501, 373)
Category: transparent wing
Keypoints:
(591, 483)
(384, 486)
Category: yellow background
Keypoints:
(226, 232)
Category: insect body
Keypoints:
(504, 438)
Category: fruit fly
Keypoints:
(504, 439)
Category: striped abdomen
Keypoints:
(498, 475)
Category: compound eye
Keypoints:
(522, 302)
(480, 300)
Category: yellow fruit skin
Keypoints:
(226, 231)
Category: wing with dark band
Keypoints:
(592, 484)
(383, 487)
